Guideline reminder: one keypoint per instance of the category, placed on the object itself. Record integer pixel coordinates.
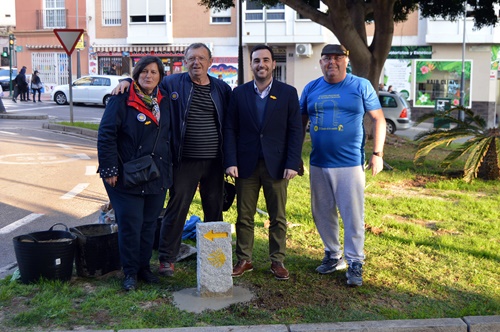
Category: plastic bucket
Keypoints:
(96, 250)
(48, 254)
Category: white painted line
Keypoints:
(75, 191)
(37, 139)
(90, 170)
(20, 222)
(8, 133)
(83, 156)
(64, 146)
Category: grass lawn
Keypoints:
(432, 251)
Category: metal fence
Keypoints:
(52, 67)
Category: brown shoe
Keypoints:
(242, 267)
(279, 270)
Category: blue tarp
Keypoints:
(190, 228)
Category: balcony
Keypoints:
(445, 32)
(51, 19)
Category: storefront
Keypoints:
(124, 57)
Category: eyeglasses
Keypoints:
(192, 59)
(335, 58)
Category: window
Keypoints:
(255, 11)
(220, 16)
(84, 81)
(111, 12)
(101, 81)
(54, 14)
(144, 19)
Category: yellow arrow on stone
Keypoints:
(211, 235)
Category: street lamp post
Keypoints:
(240, 43)
(461, 114)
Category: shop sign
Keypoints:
(436, 79)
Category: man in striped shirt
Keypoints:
(198, 103)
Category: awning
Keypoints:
(178, 48)
(39, 47)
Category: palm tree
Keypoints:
(482, 146)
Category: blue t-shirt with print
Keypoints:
(336, 112)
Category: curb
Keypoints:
(465, 324)
(69, 129)
(15, 116)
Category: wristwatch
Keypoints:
(379, 154)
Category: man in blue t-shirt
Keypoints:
(335, 105)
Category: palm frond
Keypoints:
(473, 127)
(475, 158)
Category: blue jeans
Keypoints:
(136, 216)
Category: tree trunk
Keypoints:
(490, 169)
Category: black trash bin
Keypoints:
(48, 254)
(96, 250)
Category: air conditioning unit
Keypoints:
(303, 50)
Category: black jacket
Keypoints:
(130, 131)
(179, 89)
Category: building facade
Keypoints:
(428, 60)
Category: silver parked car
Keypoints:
(92, 89)
(397, 112)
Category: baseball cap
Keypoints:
(334, 49)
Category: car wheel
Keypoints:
(60, 98)
(106, 100)
(390, 126)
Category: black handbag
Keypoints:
(141, 170)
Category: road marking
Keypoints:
(82, 156)
(90, 170)
(39, 158)
(38, 139)
(75, 191)
(64, 146)
(20, 222)
(8, 133)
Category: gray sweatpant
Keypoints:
(343, 189)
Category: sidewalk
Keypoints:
(464, 324)
(5, 114)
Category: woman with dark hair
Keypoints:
(36, 86)
(137, 124)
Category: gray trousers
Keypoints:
(339, 189)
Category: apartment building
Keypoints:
(426, 62)
(37, 46)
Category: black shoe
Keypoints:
(28, 99)
(39, 100)
(14, 100)
(34, 100)
(147, 276)
(130, 282)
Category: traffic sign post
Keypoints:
(68, 39)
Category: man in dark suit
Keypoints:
(262, 148)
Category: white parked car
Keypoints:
(92, 89)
